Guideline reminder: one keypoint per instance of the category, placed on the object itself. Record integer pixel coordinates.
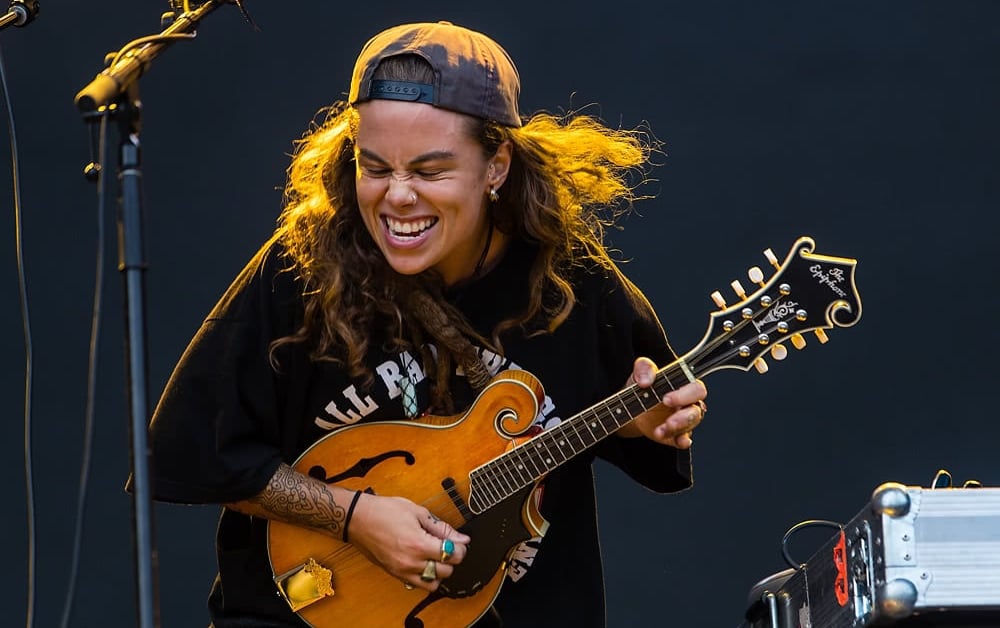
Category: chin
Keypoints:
(407, 267)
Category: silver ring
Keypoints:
(413, 197)
(429, 574)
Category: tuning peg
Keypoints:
(779, 352)
(769, 254)
(760, 365)
(756, 275)
(738, 289)
(821, 336)
(798, 341)
(719, 301)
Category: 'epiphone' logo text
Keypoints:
(829, 278)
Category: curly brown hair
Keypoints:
(570, 177)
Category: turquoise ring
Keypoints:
(447, 548)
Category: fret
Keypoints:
(573, 428)
(533, 459)
(478, 500)
(619, 413)
(644, 397)
(489, 488)
(586, 422)
(547, 459)
(522, 469)
(565, 438)
(502, 474)
(527, 452)
(672, 378)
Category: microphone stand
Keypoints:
(20, 13)
(115, 93)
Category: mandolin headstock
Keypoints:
(808, 292)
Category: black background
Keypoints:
(871, 127)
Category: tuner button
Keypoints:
(719, 301)
(746, 313)
(798, 341)
(783, 327)
(821, 335)
(760, 365)
(766, 301)
(744, 351)
(769, 254)
(756, 275)
(779, 352)
(785, 289)
(729, 325)
(801, 315)
(763, 339)
(738, 289)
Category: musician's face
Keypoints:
(422, 184)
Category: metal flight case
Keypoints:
(912, 557)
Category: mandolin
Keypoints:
(487, 487)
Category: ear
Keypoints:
(499, 165)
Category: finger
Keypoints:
(685, 419)
(442, 529)
(429, 575)
(686, 395)
(444, 570)
(643, 372)
(451, 553)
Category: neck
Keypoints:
(493, 248)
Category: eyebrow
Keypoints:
(434, 155)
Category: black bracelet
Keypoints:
(350, 512)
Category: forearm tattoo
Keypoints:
(291, 497)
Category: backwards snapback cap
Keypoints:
(472, 73)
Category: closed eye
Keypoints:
(430, 173)
(375, 172)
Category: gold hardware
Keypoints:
(305, 584)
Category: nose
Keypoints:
(400, 191)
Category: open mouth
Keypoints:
(408, 229)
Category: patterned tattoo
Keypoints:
(291, 497)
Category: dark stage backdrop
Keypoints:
(870, 126)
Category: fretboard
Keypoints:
(527, 463)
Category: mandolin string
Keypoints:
(495, 484)
(497, 487)
(433, 500)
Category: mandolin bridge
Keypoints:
(305, 584)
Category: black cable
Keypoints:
(88, 430)
(799, 526)
(28, 350)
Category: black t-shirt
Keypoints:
(228, 417)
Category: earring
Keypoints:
(494, 195)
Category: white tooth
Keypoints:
(407, 228)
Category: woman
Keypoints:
(431, 239)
